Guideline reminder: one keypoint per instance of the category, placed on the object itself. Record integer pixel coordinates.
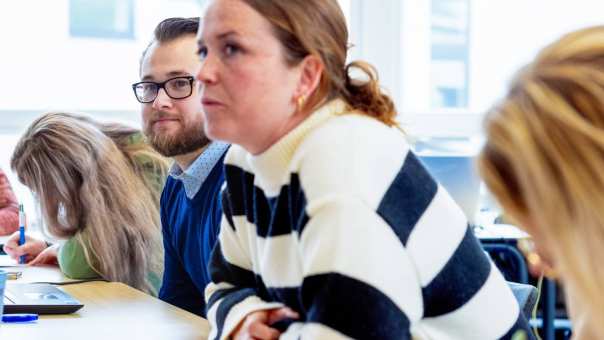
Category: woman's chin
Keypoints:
(216, 133)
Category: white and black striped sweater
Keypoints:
(340, 222)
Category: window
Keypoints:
(449, 53)
(101, 19)
(446, 62)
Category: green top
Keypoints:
(71, 258)
(74, 265)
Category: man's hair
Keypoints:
(171, 29)
(174, 28)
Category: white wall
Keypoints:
(506, 34)
(43, 68)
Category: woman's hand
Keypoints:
(256, 324)
(31, 248)
(47, 256)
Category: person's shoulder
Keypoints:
(73, 262)
(236, 165)
(171, 188)
(352, 156)
(350, 130)
(351, 139)
(136, 137)
(235, 156)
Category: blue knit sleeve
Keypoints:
(177, 287)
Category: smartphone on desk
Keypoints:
(13, 275)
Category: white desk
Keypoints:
(111, 311)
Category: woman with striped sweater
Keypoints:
(332, 229)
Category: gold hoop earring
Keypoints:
(300, 103)
(534, 259)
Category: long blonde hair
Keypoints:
(86, 180)
(544, 159)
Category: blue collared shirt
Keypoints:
(196, 174)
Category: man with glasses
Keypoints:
(173, 124)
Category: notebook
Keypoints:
(38, 298)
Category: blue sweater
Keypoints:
(190, 228)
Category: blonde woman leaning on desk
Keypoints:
(544, 161)
(98, 186)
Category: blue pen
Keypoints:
(19, 317)
(21, 231)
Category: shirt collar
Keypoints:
(200, 169)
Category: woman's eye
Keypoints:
(230, 49)
(202, 52)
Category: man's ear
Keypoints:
(311, 70)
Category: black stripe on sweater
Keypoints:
(247, 284)
(272, 216)
(408, 197)
(297, 204)
(226, 208)
(347, 305)
(222, 270)
(219, 294)
(237, 182)
(352, 307)
(282, 214)
(227, 304)
(461, 278)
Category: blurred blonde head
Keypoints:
(89, 186)
(544, 159)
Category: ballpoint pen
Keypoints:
(19, 317)
(21, 231)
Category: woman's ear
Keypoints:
(311, 69)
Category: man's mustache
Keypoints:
(162, 115)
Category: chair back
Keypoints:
(526, 295)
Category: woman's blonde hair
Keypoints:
(318, 27)
(544, 159)
(89, 185)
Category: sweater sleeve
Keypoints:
(177, 287)
(386, 252)
(73, 262)
(9, 210)
(353, 273)
(233, 292)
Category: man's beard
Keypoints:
(191, 139)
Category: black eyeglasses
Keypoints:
(176, 88)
